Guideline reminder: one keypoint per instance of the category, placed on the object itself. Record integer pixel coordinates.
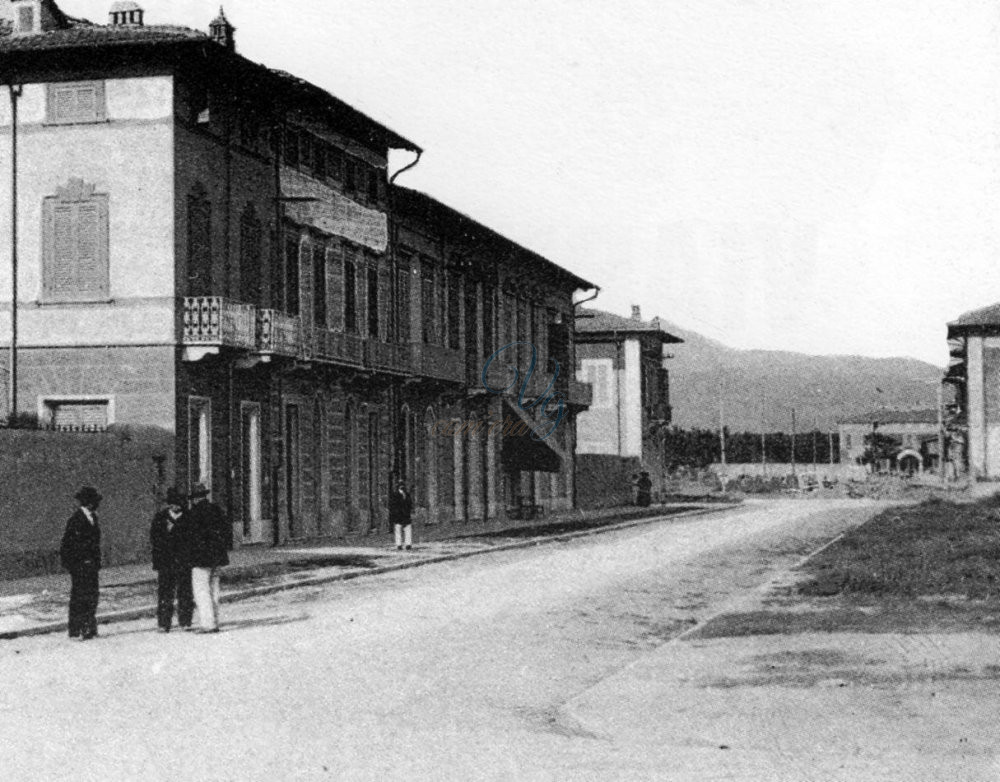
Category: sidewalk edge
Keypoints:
(149, 611)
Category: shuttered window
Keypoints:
(335, 285)
(78, 415)
(75, 245)
(76, 102)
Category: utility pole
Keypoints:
(815, 433)
(722, 429)
(763, 439)
(940, 411)
(793, 442)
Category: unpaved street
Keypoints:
(451, 671)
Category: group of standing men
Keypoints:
(190, 542)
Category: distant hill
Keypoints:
(822, 389)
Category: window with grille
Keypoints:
(75, 244)
(78, 415)
(76, 102)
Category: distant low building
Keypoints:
(915, 433)
(624, 360)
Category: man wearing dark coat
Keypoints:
(80, 554)
(209, 539)
(173, 573)
(400, 511)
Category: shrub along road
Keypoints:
(479, 668)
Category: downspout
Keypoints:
(618, 388)
(15, 93)
(401, 309)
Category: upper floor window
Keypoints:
(319, 284)
(373, 183)
(292, 274)
(427, 307)
(350, 176)
(79, 101)
(373, 301)
(350, 296)
(251, 238)
(454, 293)
(75, 244)
(199, 218)
(487, 321)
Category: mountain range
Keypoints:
(751, 386)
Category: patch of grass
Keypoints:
(934, 548)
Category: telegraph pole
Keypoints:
(722, 429)
(940, 412)
(763, 438)
(793, 442)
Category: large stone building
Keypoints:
(210, 247)
(910, 437)
(624, 361)
(974, 372)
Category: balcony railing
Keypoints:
(216, 321)
(278, 334)
(388, 356)
(337, 347)
(439, 363)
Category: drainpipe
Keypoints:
(402, 309)
(15, 93)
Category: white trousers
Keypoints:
(404, 532)
(205, 585)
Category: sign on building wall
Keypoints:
(333, 213)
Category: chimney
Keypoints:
(635, 312)
(125, 13)
(222, 32)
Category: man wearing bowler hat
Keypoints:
(80, 554)
(210, 537)
(167, 536)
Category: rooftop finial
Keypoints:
(222, 31)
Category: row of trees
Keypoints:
(702, 447)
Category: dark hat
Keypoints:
(173, 497)
(88, 495)
(199, 490)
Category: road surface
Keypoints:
(456, 671)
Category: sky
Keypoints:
(819, 176)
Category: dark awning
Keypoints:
(520, 451)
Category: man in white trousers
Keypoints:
(210, 540)
(400, 510)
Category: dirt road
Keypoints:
(453, 671)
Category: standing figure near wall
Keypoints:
(80, 554)
(400, 512)
(643, 490)
(209, 538)
(173, 574)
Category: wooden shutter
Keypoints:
(335, 287)
(75, 255)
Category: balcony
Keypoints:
(278, 334)
(438, 363)
(388, 356)
(213, 322)
(337, 347)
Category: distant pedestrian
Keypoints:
(167, 537)
(643, 490)
(400, 512)
(209, 538)
(80, 554)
